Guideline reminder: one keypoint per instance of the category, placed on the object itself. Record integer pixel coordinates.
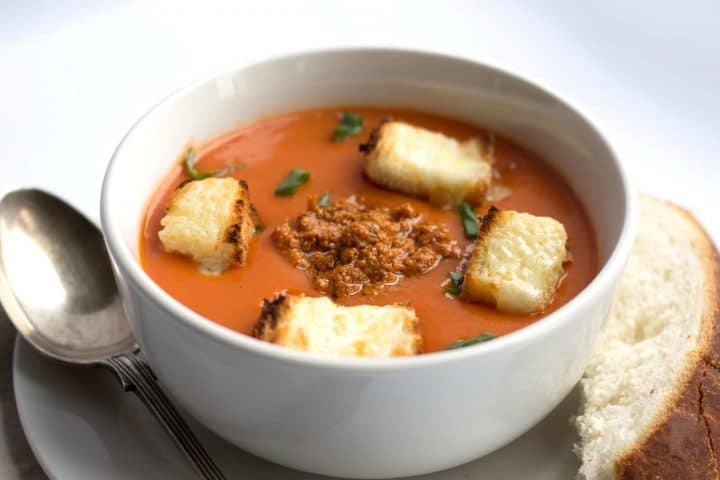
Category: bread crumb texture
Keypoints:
(211, 221)
(647, 392)
(517, 262)
(428, 164)
(317, 324)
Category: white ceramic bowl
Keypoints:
(366, 418)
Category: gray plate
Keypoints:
(82, 427)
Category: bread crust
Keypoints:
(684, 440)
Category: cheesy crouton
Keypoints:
(517, 262)
(428, 164)
(210, 220)
(316, 324)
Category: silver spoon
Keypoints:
(57, 287)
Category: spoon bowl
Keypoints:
(56, 282)
(58, 289)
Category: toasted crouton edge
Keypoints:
(264, 329)
(648, 457)
(374, 138)
(486, 225)
(237, 235)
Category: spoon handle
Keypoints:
(135, 375)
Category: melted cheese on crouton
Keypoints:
(316, 324)
(430, 165)
(517, 262)
(210, 220)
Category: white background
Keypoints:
(75, 75)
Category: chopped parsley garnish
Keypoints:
(456, 278)
(258, 229)
(191, 159)
(324, 200)
(469, 219)
(483, 337)
(350, 124)
(295, 179)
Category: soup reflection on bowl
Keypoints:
(347, 260)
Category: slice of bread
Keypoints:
(517, 261)
(426, 164)
(650, 397)
(210, 220)
(316, 324)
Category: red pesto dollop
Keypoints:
(349, 248)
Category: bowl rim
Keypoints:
(130, 267)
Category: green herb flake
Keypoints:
(258, 229)
(469, 219)
(350, 124)
(295, 179)
(483, 337)
(324, 200)
(457, 279)
(191, 159)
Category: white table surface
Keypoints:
(75, 75)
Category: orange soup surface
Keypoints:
(271, 147)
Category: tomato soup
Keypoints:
(271, 147)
